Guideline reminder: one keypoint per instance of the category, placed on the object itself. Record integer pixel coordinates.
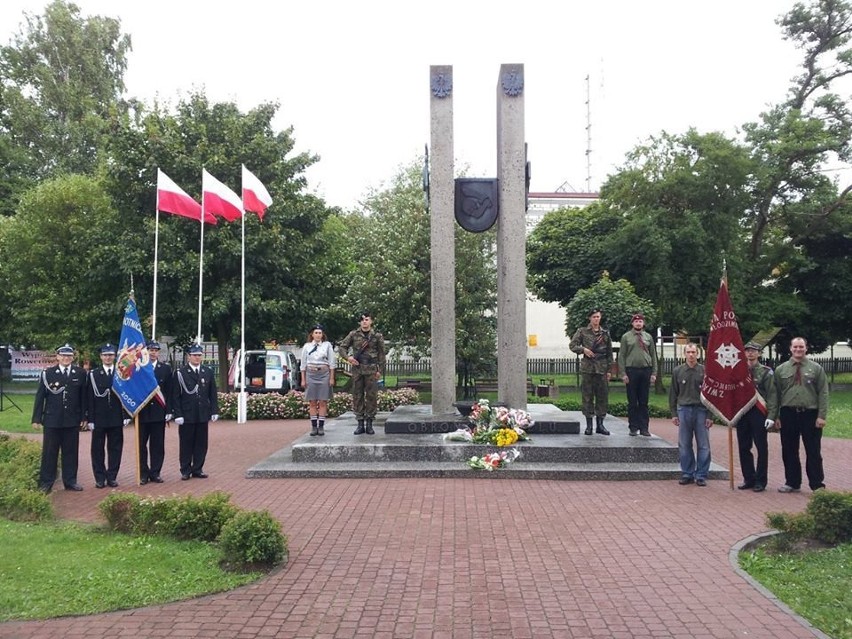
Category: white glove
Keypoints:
(213, 418)
(126, 422)
(91, 426)
(179, 421)
(770, 424)
(169, 417)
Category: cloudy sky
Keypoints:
(352, 78)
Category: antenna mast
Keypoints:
(588, 137)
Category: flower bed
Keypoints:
(294, 406)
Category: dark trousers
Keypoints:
(105, 466)
(595, 391)
(751, 431)
(152, 448)
(54, 440)
(193, 447)
(795, 425)
(638, 388)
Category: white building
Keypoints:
(546, 320)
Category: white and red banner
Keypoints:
(29, 364)
(255, 196)
(728, 391)
(173, 199)
(218, 199)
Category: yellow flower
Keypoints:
(506, 437)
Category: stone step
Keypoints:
(516, 470)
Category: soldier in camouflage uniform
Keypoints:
(364, 349)
(594, 344)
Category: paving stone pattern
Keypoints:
(442, 558)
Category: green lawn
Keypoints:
(816, 584)
(106, 571)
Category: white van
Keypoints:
(266, 372)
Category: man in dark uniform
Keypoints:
(60, 407)
(152, 421)
(752, 427)
(594, 344)
(364, 349)
(194, 403)
(106, 421)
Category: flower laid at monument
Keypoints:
(498, 425)
(493, 461)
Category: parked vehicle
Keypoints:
(267, 371)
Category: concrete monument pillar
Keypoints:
(441, 193)
(511, 239)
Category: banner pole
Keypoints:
(731, 455)
(138, 449)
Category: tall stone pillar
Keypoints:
(441, 192)
(511, 239)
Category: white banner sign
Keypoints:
(29, 364)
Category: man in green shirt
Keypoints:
(752, 427)
(803, 398)
(691, 418)
(637, 359)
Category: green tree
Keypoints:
(618, 302)
(63, 278)
(292, 270)
(392, 274)
(61, 84)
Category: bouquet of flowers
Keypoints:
(498, 425)
(493, 461)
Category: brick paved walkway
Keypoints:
(469, 557)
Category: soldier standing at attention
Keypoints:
(60, 408)
(752, 427)
(364, 349)
(637, 359)
(152, 422)
(194, 403)
(594, 344)
(106, 421)
(803, 398)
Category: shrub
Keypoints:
(20, 499)
(120, 511)
(832, 516)
(294, 406)
(251, 539)
(181, 518)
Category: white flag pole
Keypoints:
(242, 400)
(156, 258)
(201, 262)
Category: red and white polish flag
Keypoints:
(728, 391)
(173, 199)
(255, 196)
(218, 199)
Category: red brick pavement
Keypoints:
(468, 557)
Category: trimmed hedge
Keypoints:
(294, 406)
(20, 499)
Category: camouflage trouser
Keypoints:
(365, 391)
(595, 390)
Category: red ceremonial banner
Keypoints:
(727, 391)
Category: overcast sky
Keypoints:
(352, 78)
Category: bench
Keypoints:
(489, 385)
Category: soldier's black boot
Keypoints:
(601, 429)
(360, 430)
(370, 430)
(589, 426)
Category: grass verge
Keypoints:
(817, 584)
(106, 571)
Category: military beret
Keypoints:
(637, 316)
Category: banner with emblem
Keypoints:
(727, 391)
(133, 379)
